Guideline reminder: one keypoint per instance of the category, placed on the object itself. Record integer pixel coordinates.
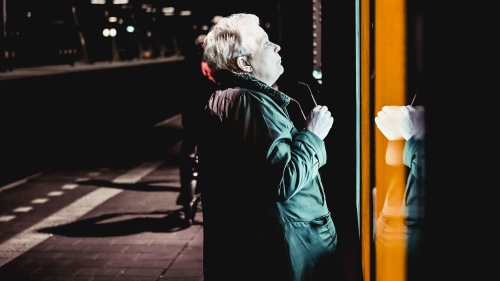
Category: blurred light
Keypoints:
(98, 2)
(185, 13)
(148, 8)
(105, 32)
(112, 32)
(120, 2)
(130, 29)
(168, 11)
(317, 74)
(112, 19)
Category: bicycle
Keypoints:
(193, 205)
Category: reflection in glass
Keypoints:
(400, 224)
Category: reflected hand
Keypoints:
(320, 121)
(387, 122)
(412, 122)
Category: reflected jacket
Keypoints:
(414, 159)
(265, 213)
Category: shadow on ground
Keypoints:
(121, 224)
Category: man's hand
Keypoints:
(412, 122)
(320, 121)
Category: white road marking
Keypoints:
(29, 238)
(40, 200)
(55, 193)
(22, 209)
(7, 218)
(70, 186)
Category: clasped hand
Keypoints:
(401, 122)
(320, 121)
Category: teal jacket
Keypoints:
(414, 159)
(261, 182)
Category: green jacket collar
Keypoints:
(228, 79)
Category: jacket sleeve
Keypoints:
(300, 161)
(414, 157)
(292, 157)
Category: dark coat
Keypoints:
(414, 202)
(265, 213)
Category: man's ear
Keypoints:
(244, 64)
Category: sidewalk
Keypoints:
(99, 224)
(79, 66)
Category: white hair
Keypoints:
(227, 40)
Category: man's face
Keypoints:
(266, 62)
